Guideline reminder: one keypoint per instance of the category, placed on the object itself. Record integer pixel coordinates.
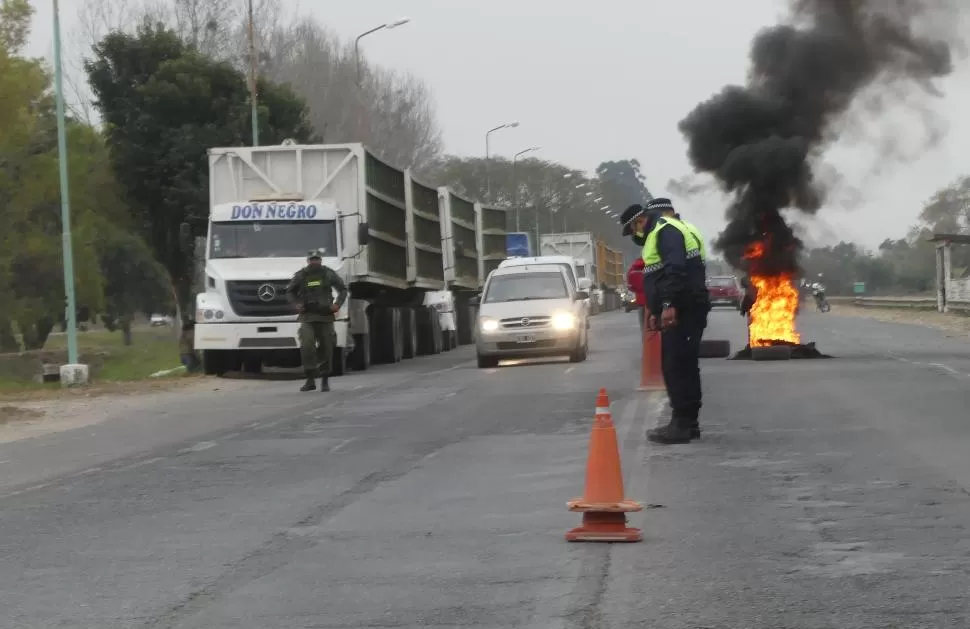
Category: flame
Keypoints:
(772, 317)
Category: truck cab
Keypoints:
(254, 247)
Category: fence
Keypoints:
(914, 303)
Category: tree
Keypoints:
(165, 105)
(31, 275)
(556, 196)
(622, 183)
(392, 113)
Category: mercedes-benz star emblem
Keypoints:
(525, 322)
(266, 292)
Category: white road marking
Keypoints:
(199, 447)
(343, 444)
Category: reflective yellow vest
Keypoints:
(651, 256)
(696, 233)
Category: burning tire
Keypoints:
(715, 348)
(774, 352)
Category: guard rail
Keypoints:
(916, 303)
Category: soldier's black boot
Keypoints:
(676, 432)
(309, 385)
(324, 384)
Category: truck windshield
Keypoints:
(526, 286)
(272, 239)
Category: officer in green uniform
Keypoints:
(674, 282)
(311, 293)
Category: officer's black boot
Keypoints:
(324, 384)
(695, 426)
(309, 385)
(676, 432)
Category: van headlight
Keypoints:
(489, 325)
(563, 321)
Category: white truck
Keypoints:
(580, 246)
(392, 239)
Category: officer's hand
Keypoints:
(668, 318)
(335, 308)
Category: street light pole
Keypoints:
(252, 77)
(488, 157)
(66, 245)
(388, 26)
(515, 187)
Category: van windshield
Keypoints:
(525, 286)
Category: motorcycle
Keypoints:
(821, 304)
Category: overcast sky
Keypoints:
(606, 80)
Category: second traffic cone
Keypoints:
(651, 372)
(603, 504)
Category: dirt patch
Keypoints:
(43, 412)
(13, 414)
(949, 322)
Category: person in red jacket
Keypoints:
(634, 280)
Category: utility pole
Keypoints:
(252, 76)
(66, 245)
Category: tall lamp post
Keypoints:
(400, 22)
(515, 188)
(68, 252)
(488, 156)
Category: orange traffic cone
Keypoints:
(651, 374)
(603, 505)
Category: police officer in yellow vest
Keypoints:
(674, 283)
(311, 293)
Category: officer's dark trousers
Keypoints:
(316, 347)
(680, 355)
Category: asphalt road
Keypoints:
(825, 494)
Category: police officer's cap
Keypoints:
(660, 205)
(314, 254)
(629, 215)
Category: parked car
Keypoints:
(159, 320)
(725, 291)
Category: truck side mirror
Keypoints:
(477, 299)
(363, 234)
(185, 238)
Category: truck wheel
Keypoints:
(253, 365)
(380, 336)
(396, 345)
(360, 357)
(338, 362)
(410, 324)
(213, 362)
(436, 334)
(426, 321)
(715, 348)
(464, 321)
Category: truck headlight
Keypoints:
(489, 325)
(563, 321)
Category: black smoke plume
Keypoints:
(760, 140)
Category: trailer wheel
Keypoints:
(409, 323)
(360, 357)
(381, 349)
(338, 362)
(396, 329)
(715, 348)
(428, 335)
(775, 352)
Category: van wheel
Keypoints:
(487, 362)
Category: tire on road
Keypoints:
(776, 352)
(715, 348)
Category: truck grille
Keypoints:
(244, 297)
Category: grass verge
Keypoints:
(110, 360)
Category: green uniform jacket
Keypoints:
(312, 287)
